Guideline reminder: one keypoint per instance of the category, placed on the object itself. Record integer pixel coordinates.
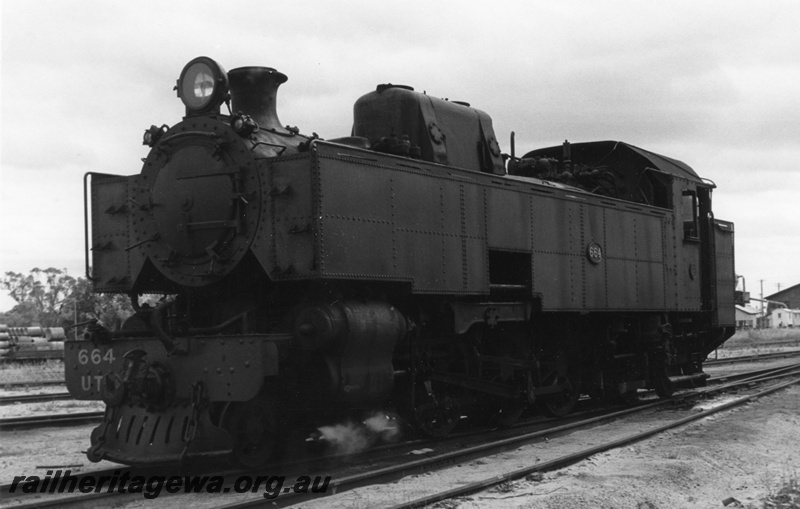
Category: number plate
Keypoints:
(86, 364)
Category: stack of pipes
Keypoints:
(29, 339)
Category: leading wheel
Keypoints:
(436, 418)
(255, 429)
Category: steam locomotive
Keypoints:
(410, 266)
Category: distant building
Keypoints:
(789, 296)
(785, 317)
(746, 317)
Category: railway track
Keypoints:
(31, 383)
(520, 435)
(763, 344)
(38, 421)
(34, 398)
(752, 358)
(748, 375)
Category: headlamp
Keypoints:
(202, 86)
(152, 135)
(243, 124)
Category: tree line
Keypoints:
(52, 298)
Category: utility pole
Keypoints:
(763, 313)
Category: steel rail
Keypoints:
(38, 421)
(32, 383)
(752, 358)
(754, 375)
(34, 398)
(760, 344)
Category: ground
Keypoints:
(743, 454)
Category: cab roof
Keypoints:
(620, 154)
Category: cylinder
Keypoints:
(350, 346)
(331, 326)
(317, 326)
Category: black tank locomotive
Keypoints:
(410, 265)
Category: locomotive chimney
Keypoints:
(254, 92)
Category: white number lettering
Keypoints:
(96, 356)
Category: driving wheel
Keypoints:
(429, 409)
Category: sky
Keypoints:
(713, 84)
